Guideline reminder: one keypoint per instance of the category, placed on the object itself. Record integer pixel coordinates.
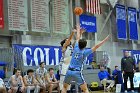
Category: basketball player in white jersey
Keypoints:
(16, 83)
(41, 73)
(64, 64)
(30, 82)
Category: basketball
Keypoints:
(78, 10)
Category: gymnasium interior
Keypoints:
(31, 32)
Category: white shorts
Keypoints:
(62, 77)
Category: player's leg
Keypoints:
(2, 90)
(67, 81)
(29, 88)
(111, 83)
(56, 86)
(50, 88)
(43, 88)
(103, 82)
(84, 88)
(61, 81)
(80, 80)
(65, 87)
(14, 89)
(37, 89)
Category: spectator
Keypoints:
(41, 73)
(94, 65)
(104, 77)
(2, 87)
(16, 83)
(128, 69)
(115, 74)
(30, 82)
(52, 82)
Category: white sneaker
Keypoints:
(132, 91)
(125, 91)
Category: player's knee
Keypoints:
(15, 88)
(65, 86)
(84, 87)
(38, 87)
(3, 89)
(23, 88)
(113, 82)
(28, 87)
(51, 85)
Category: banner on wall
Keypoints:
(121, 21)
(132, 22)
(138, 16)
(40, 16)
(136, 80)
(18, 15)
(1, 15)
(88, 23)
(33, 55)
(60, 16)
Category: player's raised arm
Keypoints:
(100, 44)
(68, 41)
(78, 33)
(82, 30)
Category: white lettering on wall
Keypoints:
(137, 58)
(88, 23)
(47, 55)
(50, 56)
(36, 56)
(24, 56)
(56, 55)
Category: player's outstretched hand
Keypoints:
(82, 30)
(100, 44)
(78, 27)
(74, 30)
